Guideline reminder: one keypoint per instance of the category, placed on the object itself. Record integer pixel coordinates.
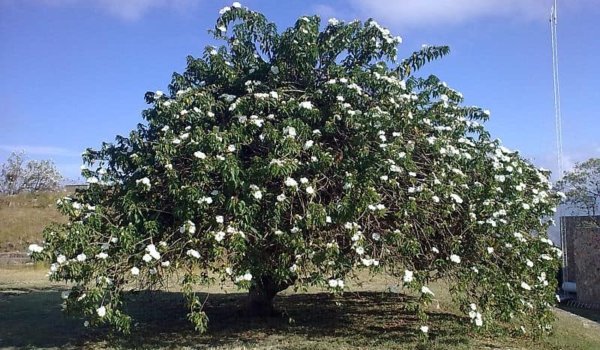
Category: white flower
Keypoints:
(101, 311)
(455, 258)
(383, 177)
(293, 268)
(408, 276)
(525, 286)
(328, 219)
(424, 329)
(81, 257)
(34, 248)
(231, 148)
(144, 181)
(490, 250)
(275, 70)
(333, 283)
(219, 236)
(436, 199)
(426, 290)
(281, 197)
(92, 180)
(257, 194)
(435, 250)
(303, 180)
(147, 258)
(193, 253)
(199, 155)
(456, 198)
(360, 250)
(102, 255)
(219, 219)
(188, 226)
(135, 271)
(236, 5)
(333, 21)
(61, 259)
(308, 144)
(207, 200)
(306, 105)
(290, 131)
(53, 267)
(247, 276)
(310, 190)
(158, 94)
(376, 236)
(165, 263)
(291, 182)
(529, 263)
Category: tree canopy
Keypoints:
(298, 158)
(19, 175)
(582, 186)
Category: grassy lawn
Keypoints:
(365, 318)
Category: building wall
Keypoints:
(582, 236)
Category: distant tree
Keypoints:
(582, 186)
(18, 175)
(298, 158)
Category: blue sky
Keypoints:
(73, 73)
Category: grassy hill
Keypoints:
(24, 216)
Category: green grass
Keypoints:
(23, 218)
(367, 318)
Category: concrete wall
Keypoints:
(582, 236)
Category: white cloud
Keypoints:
(129, 10)
(40, 150)
(427, 12)
(418, 13)
(325, 11)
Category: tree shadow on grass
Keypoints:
(590, 314)
(362, 320)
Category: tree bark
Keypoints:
(261, 295)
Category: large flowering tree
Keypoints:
(298, 158)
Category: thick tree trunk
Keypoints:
(261, 294)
